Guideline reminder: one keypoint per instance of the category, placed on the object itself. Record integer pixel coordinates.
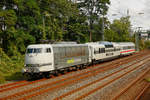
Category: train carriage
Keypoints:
(70, 55)
(101, 51)
(112, 50)
(127, 48)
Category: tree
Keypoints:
(13, 33)
(93, 9)
(59, 12)
(76, 29)
(98, 28)
(119, 30)
(22, 23)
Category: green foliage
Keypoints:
(110, 35)
(25, 22)
(10, 68)
(119, 30)
(93, 10)
(144, 44)
(2, 79)
(28, 21)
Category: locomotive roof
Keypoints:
(53, 45)
(126, 43)
(105, 43)
(95, 45)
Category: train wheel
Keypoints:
(47, 75)
(56, 73)
(28, 76)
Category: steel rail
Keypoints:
(21, 85)
(16, 94)
(82, 87)
(142, 92)
(26, 91)
(11, 84)
(130, 85)
(98, 88)
(60, 85)
(51, 83)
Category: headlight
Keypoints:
(23, 70)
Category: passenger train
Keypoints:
(46, 59)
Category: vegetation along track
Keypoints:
(67, 79)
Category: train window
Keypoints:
(125, 48)
(34, 50)
(48, 50)
(108, 46)
(30, 50)
(101, 50)
(37, 50)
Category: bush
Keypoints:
(10, 67)
(2, 78)
(144, 44)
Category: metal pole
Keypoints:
(137, 39)
(103, 38)
(44, 35)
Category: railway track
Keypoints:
(144, 94)
(12, 84)
(135, 89)
(45, 88)
(17, 85)
(77, 92)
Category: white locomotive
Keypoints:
(45, 59)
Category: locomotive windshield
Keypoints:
(34, 50)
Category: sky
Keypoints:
(119, 8)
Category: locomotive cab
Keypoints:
(38, 58)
